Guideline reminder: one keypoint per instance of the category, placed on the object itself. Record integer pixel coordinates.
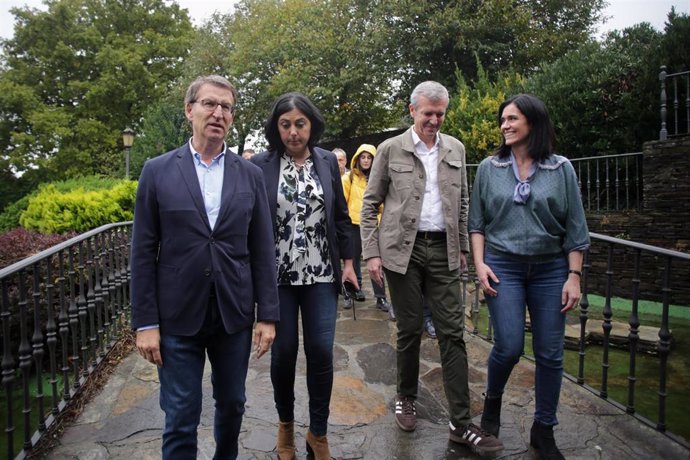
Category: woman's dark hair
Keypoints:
(286, 103)
(542, 137)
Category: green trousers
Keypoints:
(428, 277)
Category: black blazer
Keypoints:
(176, 257)
(338, 223)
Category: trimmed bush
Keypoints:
(59, 209)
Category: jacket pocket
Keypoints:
(401, 175)
(455, 172)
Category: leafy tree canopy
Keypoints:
(603, 97)
(430, 39)
(325, 49)
(472, 111)
(75, 75)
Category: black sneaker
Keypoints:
(405, 413)
(382, 304)
(430, 329)
(359, 296)
(477, 439)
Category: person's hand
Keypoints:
(148, 343)
(375, 268)
(463, 262)
(570, 295)
(484, 274)
(349, 274)
(264, 334)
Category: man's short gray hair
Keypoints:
(432, 90)
(339, 151)
(215, 80)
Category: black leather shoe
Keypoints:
(430, 329)
(391, 313)
(541, 439)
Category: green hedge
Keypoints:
(79, 205)
(9, 219)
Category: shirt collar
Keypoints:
(416, 140)
(197, 155)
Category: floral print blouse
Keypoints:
(302, 253)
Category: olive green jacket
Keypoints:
(398, 180)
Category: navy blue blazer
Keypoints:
(176, 257)
(338, 223)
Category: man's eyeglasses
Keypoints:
(210, 105)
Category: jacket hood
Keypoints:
(362, 148)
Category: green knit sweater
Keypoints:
(551, 223)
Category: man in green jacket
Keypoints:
(421, 244)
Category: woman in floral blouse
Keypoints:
(311, 223)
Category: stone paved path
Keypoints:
(125, 422)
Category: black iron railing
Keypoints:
(616, 269)
(610, 182)
(61, 312)
(607, 182)
(679, 84)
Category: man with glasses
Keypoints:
(203, 269)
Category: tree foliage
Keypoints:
(472, 111)
(603, 97)
(430, 39)
(77, 74)
(164, 128)
(325, 49)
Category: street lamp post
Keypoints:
(127, 141)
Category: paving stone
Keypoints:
(125, 421)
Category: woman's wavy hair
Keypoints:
(286, 103)
(542, 137)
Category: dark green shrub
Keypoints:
(9, 218)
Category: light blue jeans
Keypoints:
(537, 286)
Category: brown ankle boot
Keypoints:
(317, 447)
(286, 441)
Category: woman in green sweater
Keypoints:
(528, 232)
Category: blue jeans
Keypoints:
(318, 306)
(180, 387)
(539, 287)
(379, 290)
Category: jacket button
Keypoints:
(416, 198)
(207, 272)
(414, 220)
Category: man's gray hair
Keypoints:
(339, 151)
(432, 90)
(215, 80)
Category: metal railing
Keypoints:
(607, 182)
(681, 93)
(61, 312)
(610, 182)
(619, 268)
